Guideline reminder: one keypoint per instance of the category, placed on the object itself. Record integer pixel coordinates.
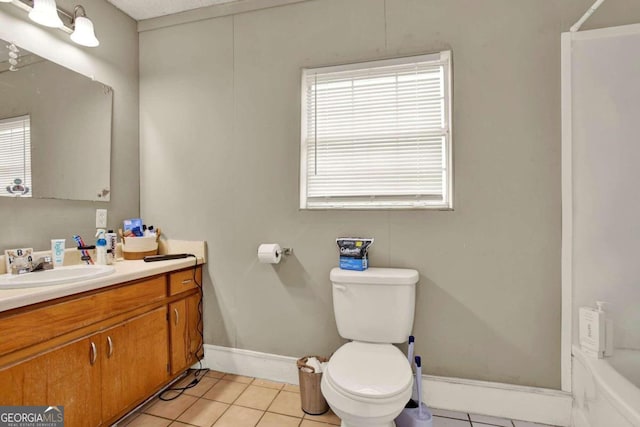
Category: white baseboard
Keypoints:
(268, 366)
(533, 404)
(516, 402)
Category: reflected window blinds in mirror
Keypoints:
(70, 125)
(15, 157)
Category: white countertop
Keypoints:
(125, 271)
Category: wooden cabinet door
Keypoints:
(26, 382)
(73, 378)
(195, 351)
(114, 390)
(68, 376)
(184, 327)
(134, 361)
(147, 357)
(178, 335)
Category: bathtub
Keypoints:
(606, 392)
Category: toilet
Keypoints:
(368, 381)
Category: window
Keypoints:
(15, 157)
(377, 135)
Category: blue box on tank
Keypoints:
(354, 252)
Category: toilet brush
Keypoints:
(410, 350)
(421, 405)
(416, 413)
(414, 394)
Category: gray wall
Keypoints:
(219, 113)
(33, 222)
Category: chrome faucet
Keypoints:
(24, 266)
(43, 263)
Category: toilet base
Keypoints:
(356, 410)
(391, 424)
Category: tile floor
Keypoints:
(226, 400)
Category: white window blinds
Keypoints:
(15, 157)
(377, 134)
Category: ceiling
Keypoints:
(145, 9)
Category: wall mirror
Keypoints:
(55, 130)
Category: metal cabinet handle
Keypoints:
(175, 310)
(110, 342)
(94, 353)
(187, 281)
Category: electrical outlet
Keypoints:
(101, 218)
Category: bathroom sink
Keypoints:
(59, 275)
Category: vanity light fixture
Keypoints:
(45, 13)
(83, 33)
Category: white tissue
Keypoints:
(315, 364)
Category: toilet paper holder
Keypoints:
(278, 252)
(283, 251)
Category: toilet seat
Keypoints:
(369, 371)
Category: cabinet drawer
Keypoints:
(54, 319)
(182, 281)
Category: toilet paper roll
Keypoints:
(269, 253)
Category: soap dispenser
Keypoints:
(608, 329)
(101, 247)
(596, 331)
(592, 328)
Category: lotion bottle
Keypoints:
(101, 248)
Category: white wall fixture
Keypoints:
(47, 13)
(83, 33)
(101, 218)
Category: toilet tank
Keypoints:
(375, 305)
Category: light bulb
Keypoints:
(45, 13)
(83, 33)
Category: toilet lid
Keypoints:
(369, 370)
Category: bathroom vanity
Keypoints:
(101, 347)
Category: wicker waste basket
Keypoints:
(311, 398)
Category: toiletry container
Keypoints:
(101, 248)
(139, 247)
(608, 330)
(608, 338)
(112, 242)
(368, 381)
(593, 326)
